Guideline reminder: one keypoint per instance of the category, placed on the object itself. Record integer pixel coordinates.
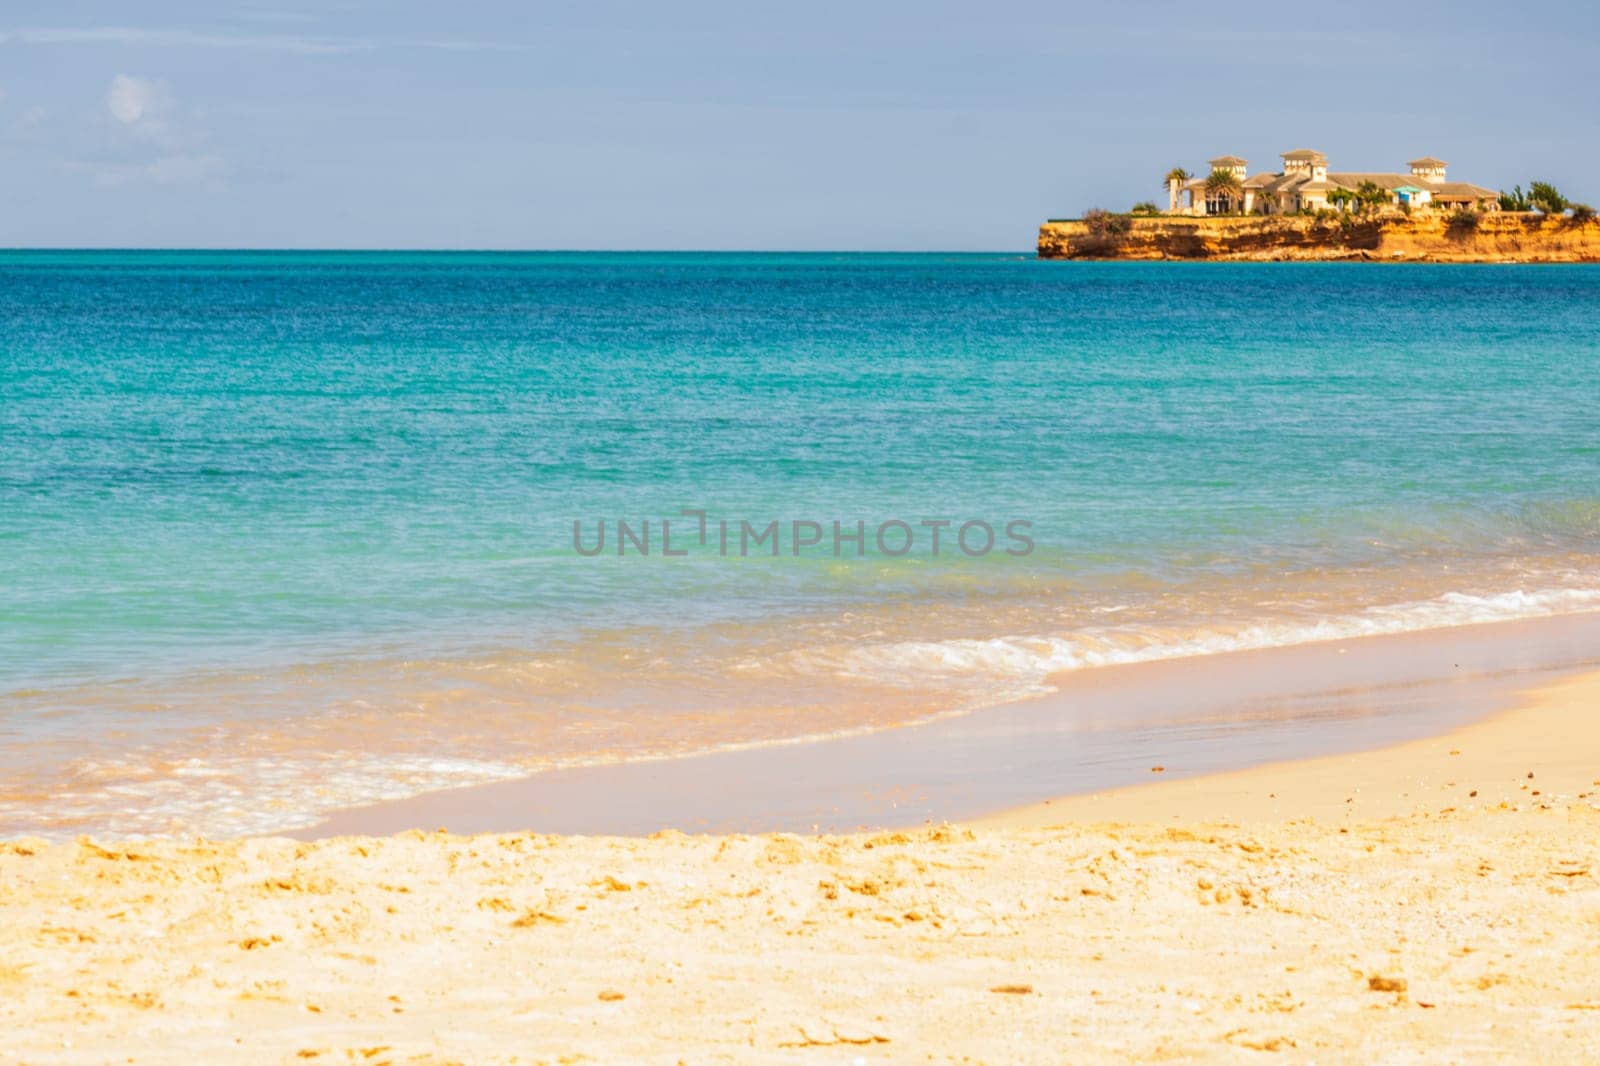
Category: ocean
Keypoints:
(283, 532)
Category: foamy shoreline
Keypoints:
(1101, 729)
(199, 767)
(1448, 916)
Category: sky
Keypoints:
(708, 125)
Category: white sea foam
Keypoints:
(245, 794)
(1014, 667)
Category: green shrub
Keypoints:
(1464, 220)
(1582, 214)
(1103, 223)
(1146, 207)
(1547, 198)
(1370, 196)
(1515, 200)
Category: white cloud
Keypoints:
(132, 101)
(147, 138)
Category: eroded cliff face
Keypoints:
(1424, 236)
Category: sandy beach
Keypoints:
(722, 534)
(1432, 901)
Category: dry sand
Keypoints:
(1410, 921)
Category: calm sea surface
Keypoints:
(281, 532)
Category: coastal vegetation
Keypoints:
(1365, 198)
(1370, 196)
(1223, 184)
(1174, 181)
(1545, 198)
(1103, 223)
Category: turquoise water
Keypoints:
(281, 531)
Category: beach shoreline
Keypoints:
(1546, 744)
(1100, 731)
(1422, 921)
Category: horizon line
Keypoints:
(6, 249)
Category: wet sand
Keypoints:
(1103, 729)
(1548, 744)
(1350, 908)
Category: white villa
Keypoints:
(1305, 182)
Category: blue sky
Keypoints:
(739, 125)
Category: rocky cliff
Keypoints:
(1425, 236)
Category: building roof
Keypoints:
(1351, 179)
(1282, 183)
(1277, 183)
(1427, 161)
(1310, 154)
(1228, 161)
(1461, 190)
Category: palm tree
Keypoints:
(1223, 186)
(1174, 181)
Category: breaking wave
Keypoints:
(1015, 667)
